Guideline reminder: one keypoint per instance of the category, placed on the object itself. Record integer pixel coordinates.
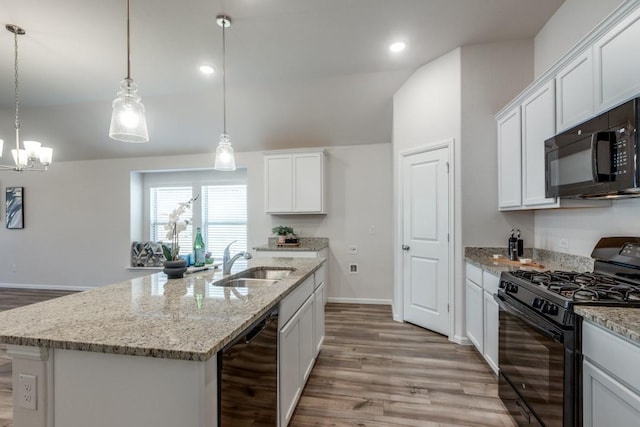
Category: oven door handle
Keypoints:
(557, 337)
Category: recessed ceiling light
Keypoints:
(206, 69)
(397, 47)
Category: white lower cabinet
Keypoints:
(301, 334)
(318, 314)
(474, 315)
(491, 319)
(611, 381)
(307, 347)
(289, 369)
(482, 313)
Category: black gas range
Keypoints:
(540, 347)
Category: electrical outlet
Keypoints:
(353, 268)
(27, 391)
(353, 250)
(372, 229)
(563, 243)
(14, 268)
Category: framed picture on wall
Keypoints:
(15, 207)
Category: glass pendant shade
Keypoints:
(33, 149)
(225, 160)
(20, 157)
(46, 156)
(128, 122)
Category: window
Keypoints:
(224, 218)
(165, 200)
(221, 212)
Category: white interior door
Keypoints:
(425, 205)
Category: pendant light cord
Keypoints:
(17, 93)
(128, 44)
(224, 78)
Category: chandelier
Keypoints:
(33, 157)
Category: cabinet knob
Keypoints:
(405, 247)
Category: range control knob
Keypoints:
(553, 309)
(537, 303)
(545, 307)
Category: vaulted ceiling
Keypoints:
(300, 73)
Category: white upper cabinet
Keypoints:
(509, 160)
(617, 55)
(295, 183)
(574, 96)
(538, 124)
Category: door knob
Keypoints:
(405, 247)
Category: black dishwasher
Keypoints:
(248, 376)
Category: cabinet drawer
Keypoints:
(474, 274)
(490, 282)
(611, 352)
(319, 274)
(292, 302)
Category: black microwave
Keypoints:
(598, 159)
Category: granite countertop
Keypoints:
(186, 319)
(622, 320)
(309, 244)
(483, 258)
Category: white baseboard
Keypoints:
(461, 340)
(359, 301)
(45, 287)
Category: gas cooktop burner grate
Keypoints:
(581, 287)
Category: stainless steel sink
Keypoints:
(255, 277)
(245, 283)
(265, 273)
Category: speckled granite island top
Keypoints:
(187, 319)
(622, 320)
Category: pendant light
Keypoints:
(128, 122)
(225, 160)
(33, 157)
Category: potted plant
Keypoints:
(174, 267)
(283, 232)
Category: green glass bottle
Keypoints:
(198, 250)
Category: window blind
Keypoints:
(224, 217)
(165, 200)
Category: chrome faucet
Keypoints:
(227, 260)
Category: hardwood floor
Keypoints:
(12, 298)
(371, 372)
(375, 372)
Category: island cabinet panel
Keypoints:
(611, 380)
(307, 348)
(318, 314)
(289, 369)
(617, 55)
(106, 390)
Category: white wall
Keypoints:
(456, 97)
(582, 227)
(427, 111)
(63, 208)
(492, 75)
(571, 22)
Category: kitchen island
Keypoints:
(139, 352)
